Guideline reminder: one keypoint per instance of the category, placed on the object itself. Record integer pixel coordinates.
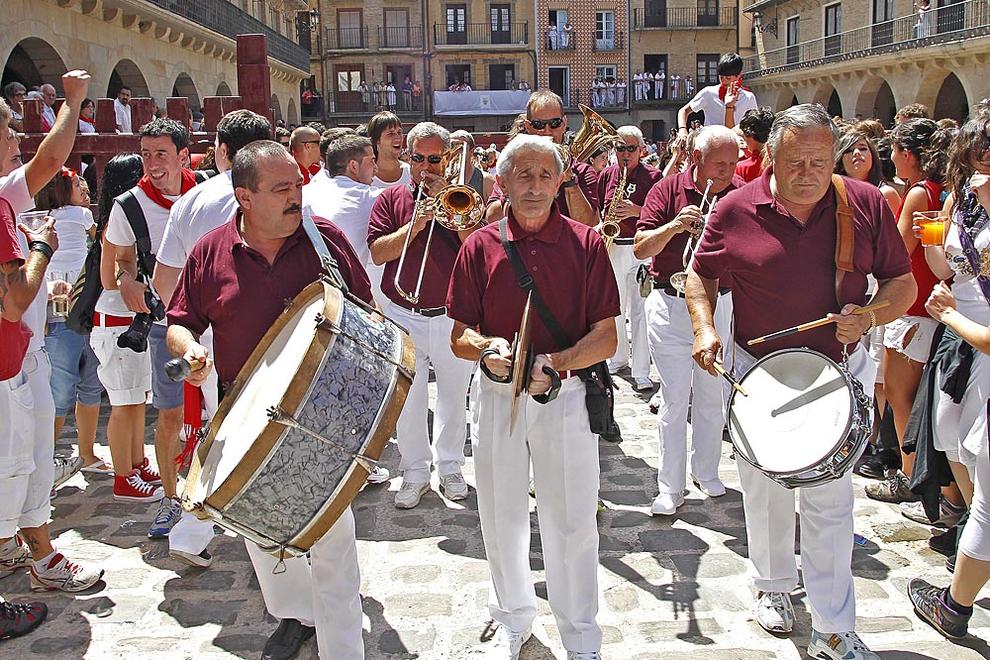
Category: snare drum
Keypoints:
(305, 421)
(805, 421)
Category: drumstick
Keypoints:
(814, 324)
(727, 376)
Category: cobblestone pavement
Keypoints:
(670, 588)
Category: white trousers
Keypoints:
(826, 528)
(681, 381)
(624, 265)
(453, 375)
(323, 591)
(564, 455)
(27, 445)
(975, 540)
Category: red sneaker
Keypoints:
(149, 474)
(132, 488)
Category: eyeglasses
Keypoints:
(540, 124)
(419, 158)
(631, 148)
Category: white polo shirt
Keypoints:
(201, 210)
(404, 178)
(707, 100)
(123, 116)
(346, 203)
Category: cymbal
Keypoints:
(521, 350)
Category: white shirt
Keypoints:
(14, 189)
(86, 127)
(119, 233)
(707, 99)
(48, 113)
(123, 113)
(346, 203)
(405, 177)
(201, 210)
(72, 224)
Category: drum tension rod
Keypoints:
(328, 325)
(279, 416)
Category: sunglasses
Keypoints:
(626, 147)
(540, 124)
(419, 158)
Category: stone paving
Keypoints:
(670, 588)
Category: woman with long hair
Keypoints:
(857, 158)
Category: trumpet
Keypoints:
(678, 280)
(457, 207)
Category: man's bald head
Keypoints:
(304, 145)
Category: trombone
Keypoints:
(457, 207)
(678, 280)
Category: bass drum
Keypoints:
(305, 421)
(805, 420)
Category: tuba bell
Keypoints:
(596, 132)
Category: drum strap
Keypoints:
(330, 266)
(845, 237)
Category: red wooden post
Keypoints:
(32, 116)
(177, 108)
(231, 103)
(212, 112)
(106, 118)
(142, 111)
(253, 75)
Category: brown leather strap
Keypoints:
(845, 238)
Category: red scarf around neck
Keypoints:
(724, 89)
(155, 195)
(88, 121)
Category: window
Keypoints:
(501, 25)
(883, 26)
(501, 76)
(458, 73)
(707, 73)
(350, 32)
(707, 13)
(456, 24)
(655, 13)
(605, 72)
(833, 26)
(559, 78)
(793, 37)
(559, 19)
(605, 30)
(396, 32)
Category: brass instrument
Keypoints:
(457, 207)
(609, 229)
(678, 280)
(596, 132)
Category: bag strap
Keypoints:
(131, 207)
(330, 265)
(845, 235)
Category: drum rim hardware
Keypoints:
(279, 416)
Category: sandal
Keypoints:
(99, 467)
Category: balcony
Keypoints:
(345, 39)
(400, 37)
(609, 42)
(229, 20)
(667, 98)
(957, 22)
(480, 34)
(684, 18)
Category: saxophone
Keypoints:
(609, 228)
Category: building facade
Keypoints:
(159, 48)
(865, 58)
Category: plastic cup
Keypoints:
(932, 225)
(33, 220)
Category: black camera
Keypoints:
(136, 336)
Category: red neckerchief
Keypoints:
(91, 123)
(723, 90)
(309, 173)
(155, 195)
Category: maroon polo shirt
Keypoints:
(662, 205)
(14, 335)
(783, 273)
(393, 210)
(232, 287)
(570, 269)
(586, 178)
(639, 182)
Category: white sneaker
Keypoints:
(655, 402)
(774, 612)
(453, 486)
(202, 560)
(14, 556)
(584, 655)
(666, 504)
(379, 475)
(65, 469)
(714, 488)
(410, 494)
(839, 646)
(508, 643)
(642, 384)
(60, 574)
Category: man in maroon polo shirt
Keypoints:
(670, 216)
(577, 197)
(640, 178)
(237, 279)
(775, 240)
(425, 320)
(572, 273)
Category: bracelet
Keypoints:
(42, 247)
(873, 323)
(682, 128)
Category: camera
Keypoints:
(136, 336)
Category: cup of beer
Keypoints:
(33, 220)
(932, 225)
(58, 292)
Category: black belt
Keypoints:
(660, 284)
(428, 312)
(624, 241)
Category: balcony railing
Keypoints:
(345, 38)
(400, 37)
(229, 20)
(480, 34)
(614, 40)
(684, 18)
(963, 20)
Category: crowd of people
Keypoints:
(730, 231)
(653, 86)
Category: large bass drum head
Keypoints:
(798, 410)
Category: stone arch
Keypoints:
(223, 89)
(32, 62)
(126, 72)
(276, 107)
(828, 97)
(292, 114)
(876, 101)
(951, 100)
(185, 87)
(786, 100)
